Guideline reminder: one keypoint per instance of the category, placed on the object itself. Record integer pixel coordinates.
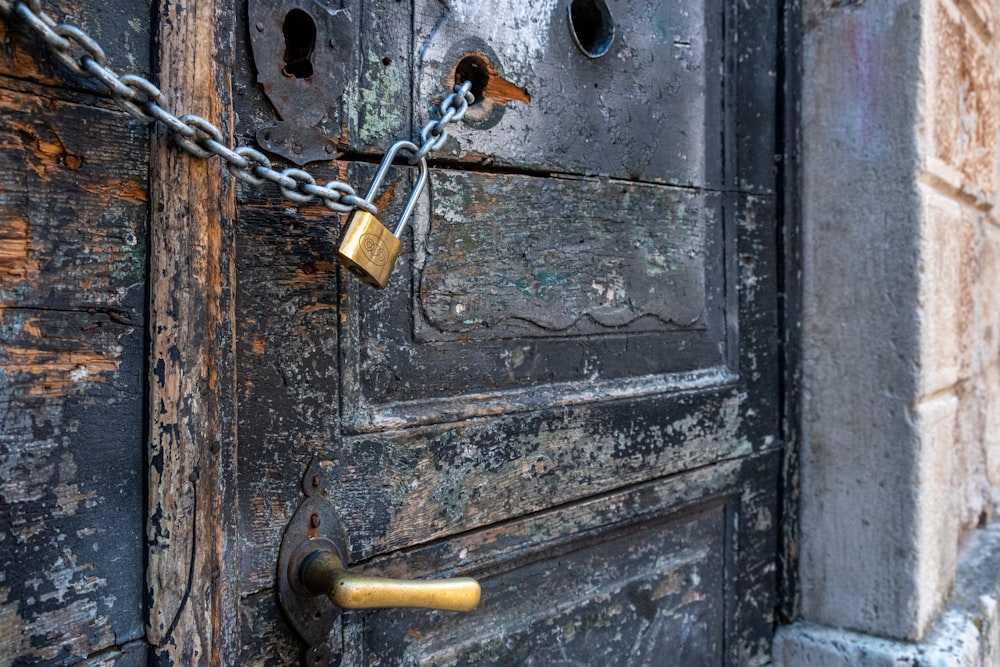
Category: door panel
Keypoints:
(570, 387)
(650, 109)
(73, 266)
(542, 285)
(653, 575)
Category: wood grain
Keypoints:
(192, 434)
(72, 275)
(606, 581)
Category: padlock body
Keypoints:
(368, 249)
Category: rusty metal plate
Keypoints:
(315, 522)
(303, 51)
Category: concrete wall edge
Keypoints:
(966, 634)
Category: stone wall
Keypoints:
(901, 332)
(960, 245)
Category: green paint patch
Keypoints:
(380, 119)
(541, 285)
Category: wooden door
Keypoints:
(570, 388)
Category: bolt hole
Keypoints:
(299, 30)
(387, 61)
(473, 68)
(317, 615)
(592, 27)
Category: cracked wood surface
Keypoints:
(73, 208)
(192, 430)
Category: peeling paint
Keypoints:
(72, 270)
(16, 262)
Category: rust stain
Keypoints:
(32, 328)
(317, 307)
(48, 148)
(258, 345)
(383, 200)
(314, 274)
(51, 153)
(497, 89)
(16, 262)
(72, 162)
(319, 212)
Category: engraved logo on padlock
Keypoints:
(374, 249)
(367, 247)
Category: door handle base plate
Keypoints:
(314, 526)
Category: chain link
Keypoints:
(199, 137)
(453, 108)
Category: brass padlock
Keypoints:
(367, 247)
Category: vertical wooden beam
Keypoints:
(192, 613)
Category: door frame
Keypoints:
(191, 585)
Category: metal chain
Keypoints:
(198, 136)
(453, 108)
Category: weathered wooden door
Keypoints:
(569, 390)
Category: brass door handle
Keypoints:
(323, 573)
(314, 587)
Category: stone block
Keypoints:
(936, 515)
(973, 314)
(972, 493)
(805, 645)
(967, 633)
(961, 84)
(991, 435)
(945, 303)
(986, 285)
(871, 469)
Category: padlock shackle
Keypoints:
(383, 169)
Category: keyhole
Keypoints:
(300, 40)
(473, 68)
(592, 26)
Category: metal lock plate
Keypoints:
(368, 249)
(303, 52)
(314, 525)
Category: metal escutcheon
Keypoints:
(314, 586)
